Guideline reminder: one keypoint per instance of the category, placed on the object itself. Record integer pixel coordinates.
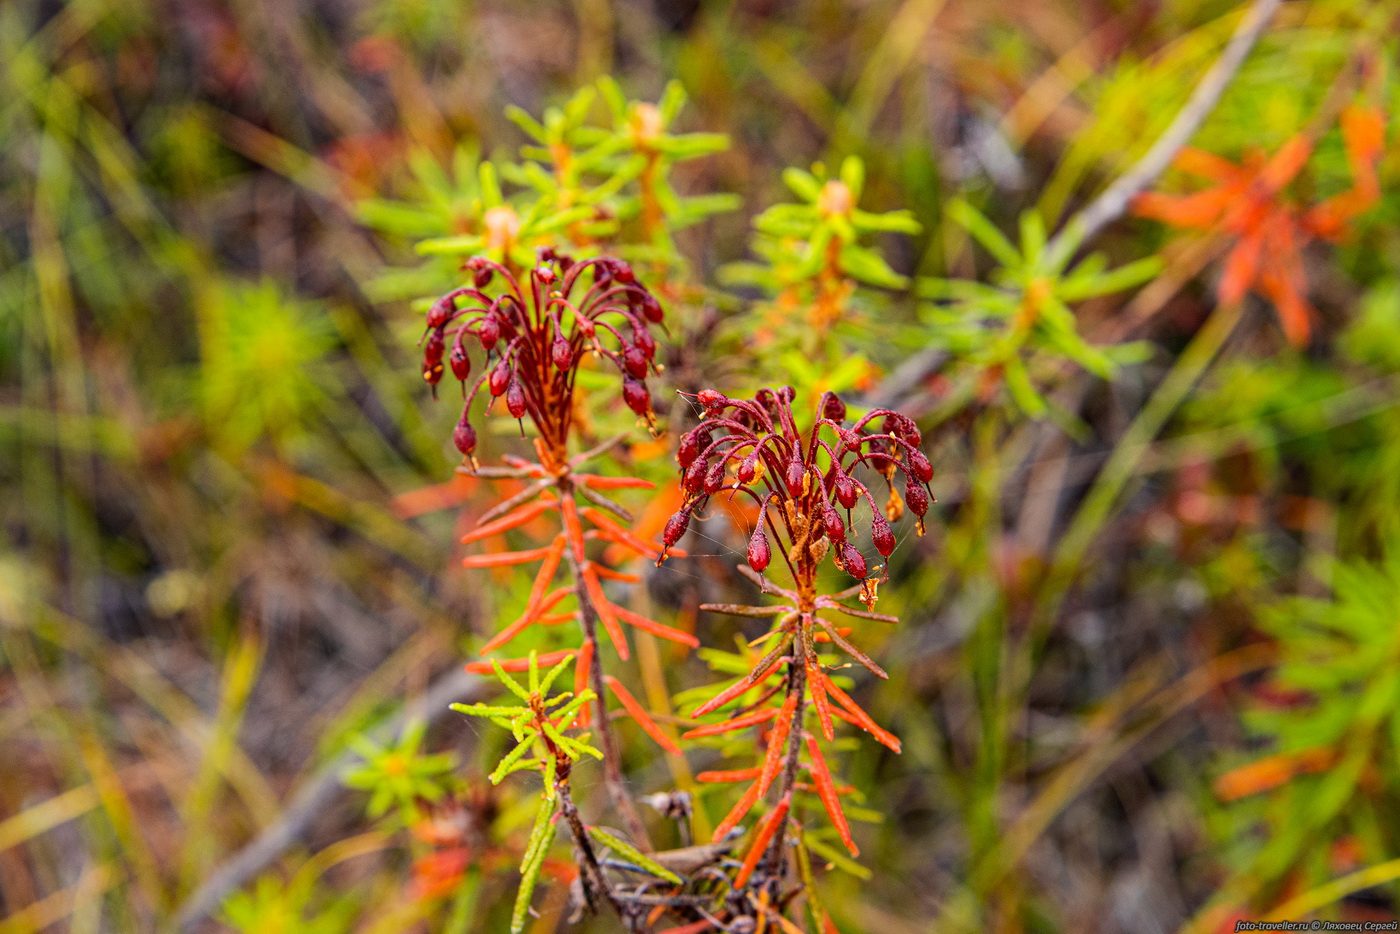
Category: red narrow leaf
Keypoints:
(504, 558)
(596, 482)
(733, 691)
(737, 813)
(527, 618)
(639, 713)
(655, 628)
(766, 831)
(1241, 268)
(819, 699)
(604, 610)
(583, 667)
(777, 737)
(509, 521)
(515, 665)
(729, 775)
(857, 716)
(732, 724)
(573, 529)
(826, 790)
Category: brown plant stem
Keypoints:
(773, 866)
(612, 761)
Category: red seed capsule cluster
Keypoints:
(806, 484)
(535, 332)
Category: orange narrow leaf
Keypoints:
(819, 699)
(583, 667)
(857, 716)
(515, 665)
(737, 813)
(655, 628)
(507, 522)
(526, 619)
(1272, 771)
(826, 790)
(1207, 165)
(608, 574)
(695, 927)
(639, 713)
(545, 576)
(732, 724)
(596, 482)
(573, 529)
(604, 609)
(766, 831)
(1285, 164)
(777, 737)
(1241, 268)
(504, 558)
(618, 534)
(737, 688)
(729, 775)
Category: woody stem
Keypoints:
(612, 767)
(775, 859)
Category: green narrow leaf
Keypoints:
(540, 838)
(633, 855)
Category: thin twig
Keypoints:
(314, 797)
(1114, 200)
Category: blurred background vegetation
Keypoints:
(1156, 695)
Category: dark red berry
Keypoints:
(562, 354)
(853, 561)
(499, 378)
(464, 436)
(459, 361)
(636, 396)
(759, 552)
(688, 449)
(483, 275)
(434, 347)
(833, 408)
(917, 497)
(634, 361)
(586, 327)
(832, 524)
(623, 272)
(651, 309)
(882, 535)
(489, 331)
(442, 310)
(675, 528)
(795, 472)
(515, 399)
(748, 468)
(694, 479)
(919, 467)
(645, 342)
(714, 477)
(847, 492)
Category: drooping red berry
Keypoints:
(759, 552)
(434, 347)
(482, 277)
(853, 561)
(748, 468)
(688, 449)
(499, 378)
(851, 439)
(714, 477)
(623, 272)
(694, 479)
(846, 490)
(833, 408)
(919, 466)
(710, 400)
(459, 361)
(545, 275)
(515, 399)
(675, 528)
(488, 332)
(634, 361)
(651, 308)
(796, 470)
(586, 327)
(645, 342)
(464, 436)
(562, 354)
(440, 311)
(832, 524)
(636, 396)
(882, 535)
(907, 430)
(917, 497)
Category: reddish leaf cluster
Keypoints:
(535, 335)
(1247, 203)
